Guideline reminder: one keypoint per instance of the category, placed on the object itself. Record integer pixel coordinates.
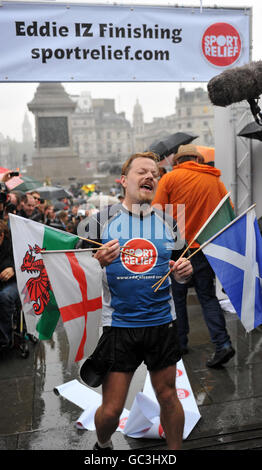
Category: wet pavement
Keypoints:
(32, 417)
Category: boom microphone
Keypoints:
(238, 84)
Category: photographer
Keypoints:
(9, 296)
(9, 200)
(3, 196)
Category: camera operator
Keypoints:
(9, 200)
(3, 198)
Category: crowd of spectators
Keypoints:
(64, 214)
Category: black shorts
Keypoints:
(126, 348)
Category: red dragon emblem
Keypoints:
(37, 288)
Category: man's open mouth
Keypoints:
(147, 187)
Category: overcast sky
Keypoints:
(157, 99)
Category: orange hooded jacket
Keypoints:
(198, 187)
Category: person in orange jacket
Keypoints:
(199, 189)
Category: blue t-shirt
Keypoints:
(128, 297)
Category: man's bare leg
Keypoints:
(171, 411)
(114, 391)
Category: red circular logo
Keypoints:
(179, 373)
(221, 44)
(182, 393)
(145, 255)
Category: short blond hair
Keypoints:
(151, 155)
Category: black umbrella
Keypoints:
(251, 131)
(170, 144)
(159, 148)
(53, 192)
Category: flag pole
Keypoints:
(123, 250)
(73, 250)
(160, 281)
(206, 222)
(222, 230)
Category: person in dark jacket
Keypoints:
(27, 206)
(9, 296)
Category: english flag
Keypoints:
(76, 280)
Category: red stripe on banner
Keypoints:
(80, 309)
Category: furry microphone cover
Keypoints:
(237, 84)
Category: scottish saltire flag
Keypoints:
(236, 258)
(76, 281)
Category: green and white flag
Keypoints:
(37, 297)
(220, 217)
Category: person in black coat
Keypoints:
(9, 296)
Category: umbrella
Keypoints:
(53, 192)
(4, 170)
(251, 131)
(28, 184)
(170, 144)
(58, 205)
(159, 148)
(102, 200)
(21, 183)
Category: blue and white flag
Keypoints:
(236, 258)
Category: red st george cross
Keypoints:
(80, 309)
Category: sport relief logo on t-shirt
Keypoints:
(145, 255)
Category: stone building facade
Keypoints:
(193, 114)
(101, 137)
(15, 154)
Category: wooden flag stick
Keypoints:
(222, 230)
(96, 243)
(91, 241)
(123, 250)
(206, 222)
(160, 281)
(73, 250)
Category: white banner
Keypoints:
(143, 420)
(80, 42)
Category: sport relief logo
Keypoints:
(145, 255)
(221, 44)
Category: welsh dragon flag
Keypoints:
(37, 297)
